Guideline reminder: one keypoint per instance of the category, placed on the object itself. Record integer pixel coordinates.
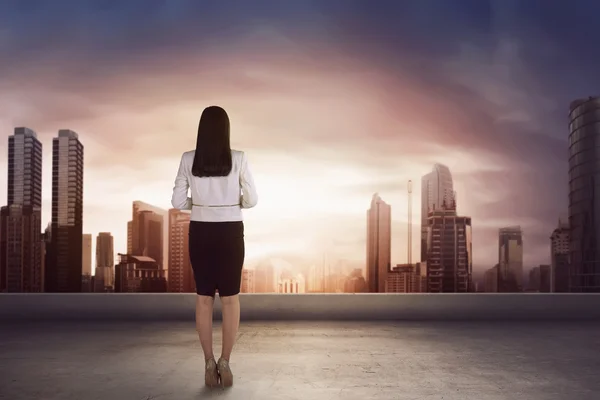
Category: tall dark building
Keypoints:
(449, 251)
(437, 188)
(379, 244)
(20, 219)
(64, 258)
(584, 203)
(181, 278)
(559, 252)
(510, 259)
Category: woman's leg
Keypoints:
(204, 317)
(231, 322)
(232, 263)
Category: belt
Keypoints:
(202, 205)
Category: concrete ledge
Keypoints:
(412, 307)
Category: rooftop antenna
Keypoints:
(409, 222)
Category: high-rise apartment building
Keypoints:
(584, 175)
(437, 189)
(20, 219)
(449, 251)
(181, 277)
(379, 244)
(510, 259)
(559, 255)
(64, 257)
(105, 263)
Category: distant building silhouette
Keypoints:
(139, 274)
(64, 256)
(510, 259)
(181, 278)
(86, 263)
(149, 237)
(45, 241)
(490, 279)
(559, 252)
(403, 278)
(265, 277)
(584, 202)
(437, 188)
(316, 278)
(105, 263)
(540, 279)
(289, 283)
(379, 244)
(129, 237)
(355, 283)
(248, 281)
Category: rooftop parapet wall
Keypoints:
(289, 307)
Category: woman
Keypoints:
(221, 185)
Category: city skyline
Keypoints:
(485, 110)
(150, 241)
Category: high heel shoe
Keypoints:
(225, 373)
(211, 374)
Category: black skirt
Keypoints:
(217, 253)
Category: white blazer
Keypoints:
(215, 199)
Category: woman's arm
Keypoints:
(249, 196)
(180, 199)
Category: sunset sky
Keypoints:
(331, 100)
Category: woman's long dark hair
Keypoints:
(213, 148)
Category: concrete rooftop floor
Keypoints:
(304, 360)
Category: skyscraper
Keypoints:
(129, 237)
(559, 255)
(437, 189)
(510, 259)
(490, 279)
(86, 266)
(86, 263)
(20, 219)
(24, 168)
(105, 263)
(64, 258)
(105, 253)
(181, 278)
(379, 244)
(584, 207)
(149, 237)
(449, 251)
